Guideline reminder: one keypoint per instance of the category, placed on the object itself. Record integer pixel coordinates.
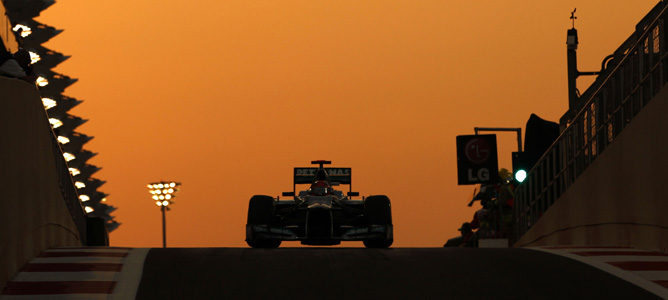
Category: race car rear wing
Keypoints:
(336, 175)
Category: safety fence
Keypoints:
(637, 72)
(68, 190)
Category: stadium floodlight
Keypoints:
(34, 57)
(41, 81)
(68, 156)
(162, 193)
(74, 171)
(84, 198)
(25, 30)
(48, 103)
(55, 123)
(63, 140)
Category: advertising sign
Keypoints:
(477, 161)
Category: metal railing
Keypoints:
(637, 72)
(68, 190)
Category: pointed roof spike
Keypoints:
(111, 226)
(97, 195)
(63, 104)
(77, 141)
(94, 196)
(40, 34)
(56, 82)
(92, 184)
(48, 59)
(87, 171)
(22, 10)
(81, 158)
(70, 123)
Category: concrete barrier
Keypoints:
(34, 214)
(622, 198)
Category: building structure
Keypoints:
(31, 35)
(600, 182)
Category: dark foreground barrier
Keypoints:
(39, 207)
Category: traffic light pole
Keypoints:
(518, 130)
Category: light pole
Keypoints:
(518, 130)
(163, 194)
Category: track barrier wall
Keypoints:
(39, 206)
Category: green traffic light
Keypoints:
(520, 175)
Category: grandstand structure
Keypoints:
(31, 36)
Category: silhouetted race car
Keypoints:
(319, 215)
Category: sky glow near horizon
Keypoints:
(228, 96)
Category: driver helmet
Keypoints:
(319, 188)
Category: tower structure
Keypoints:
(31, 36)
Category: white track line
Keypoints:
(98, 250)
(626, 275)
(615, 258)
(56, 297)
(66, 276)
(653, 275)
(590, 249)
(76, 259)
(128, 280)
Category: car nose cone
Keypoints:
(319, 206)
(319, 203)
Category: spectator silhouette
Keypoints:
(467, 238)
(9, 67)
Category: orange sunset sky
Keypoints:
(228, 96)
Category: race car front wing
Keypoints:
(287, 233)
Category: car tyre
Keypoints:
(264, 243)
(261, 212)
(378, 211)
(377, 243)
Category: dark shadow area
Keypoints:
(355, 273)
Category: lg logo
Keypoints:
(481, 176)
(477, 150)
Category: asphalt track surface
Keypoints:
(355, 273)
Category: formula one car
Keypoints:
(319, 215)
